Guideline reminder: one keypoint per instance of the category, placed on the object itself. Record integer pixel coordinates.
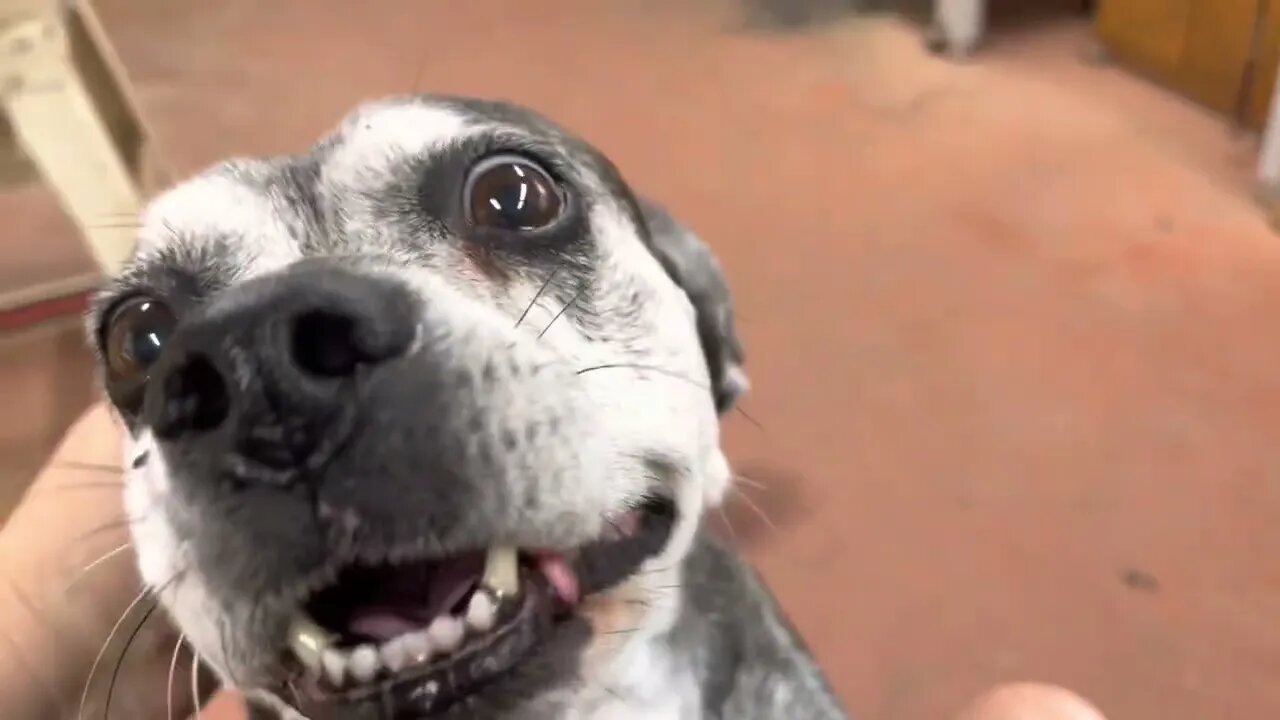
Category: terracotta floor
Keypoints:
(1012, 323)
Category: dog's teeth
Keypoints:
(335, 666)
(364, 663)
(445, 633)
(393, 654)
(480, 611)
(502, 571)
(416, 647)
(308, 641)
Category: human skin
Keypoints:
(55, 615)
(1030, 701)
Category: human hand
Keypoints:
(71, 602)
(1030, 701)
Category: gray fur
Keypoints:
(750, 662)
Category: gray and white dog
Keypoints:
(424, 423)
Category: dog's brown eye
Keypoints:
(509, 192)
(135, 336)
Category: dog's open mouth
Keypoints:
(414, 637)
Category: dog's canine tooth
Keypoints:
(502, 571)
(445, 633)
(308, 641)
(364, 663)
(481, 611)
(335, 666)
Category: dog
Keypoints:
(424, 423)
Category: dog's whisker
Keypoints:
(612, 691)
(750, 482)
(93, 467)
(672, 586)
(293, 690)
(746, 500)
(417, 74)
(86, 485)
(173, 668)
(195, 681)
(93, 669)
(115, 673)
(641, 366)
(572, 300)
(742, 411)
(117, 524)
(534, 301)
(97, 660)
(84, 571)
(733, 535)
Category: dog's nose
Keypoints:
(271, 361)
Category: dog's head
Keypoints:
(422, 421)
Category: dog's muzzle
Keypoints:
(369, 474)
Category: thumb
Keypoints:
(1031, 701)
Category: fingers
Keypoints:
(93, 439)
(72, 517)
(1031, 701)
(224, 706)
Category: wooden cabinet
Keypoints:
(1222, 53)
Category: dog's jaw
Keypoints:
(627, 670)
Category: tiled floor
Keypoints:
(1011, 322)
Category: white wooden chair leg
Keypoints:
(1269, 156)
(66, 103)
(958, 26)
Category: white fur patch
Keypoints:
(217, 206)
(378, 135)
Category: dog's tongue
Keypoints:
(415, 595)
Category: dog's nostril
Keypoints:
(328, 344)
(195, 399)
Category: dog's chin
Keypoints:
(431, 637)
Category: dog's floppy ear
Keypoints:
(690, 263)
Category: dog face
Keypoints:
(422, 421)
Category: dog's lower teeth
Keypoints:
(502, 571)
(445, 634)
(364, 663)
(334, 663)
(416, 647)
(481, 611)
(320, 651)
(393, 655)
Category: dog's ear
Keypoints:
(690, 263)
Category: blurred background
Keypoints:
(1011, 317)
